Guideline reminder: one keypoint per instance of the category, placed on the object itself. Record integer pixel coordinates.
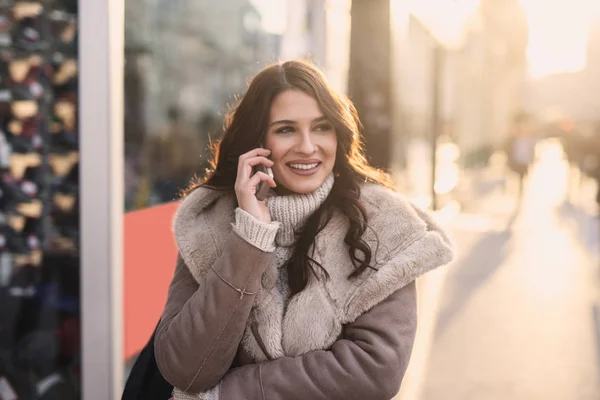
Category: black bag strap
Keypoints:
(145, 381)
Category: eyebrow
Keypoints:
(290, 122)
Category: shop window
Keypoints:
(39, 201)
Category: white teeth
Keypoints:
(304, 166)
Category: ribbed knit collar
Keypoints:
(293, 210)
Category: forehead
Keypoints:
(294, 105)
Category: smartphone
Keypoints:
(263, 187)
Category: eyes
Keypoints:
(324, 127)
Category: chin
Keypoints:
(295, 185)
(303, 189)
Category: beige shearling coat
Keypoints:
(224, 309)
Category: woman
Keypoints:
(309, 294)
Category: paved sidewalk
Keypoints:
(517, 314)
(479, 203)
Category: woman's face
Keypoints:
(302, 141)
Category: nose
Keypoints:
(306, 144)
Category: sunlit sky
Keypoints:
(557, 37)
(558, 29)
(558, 32)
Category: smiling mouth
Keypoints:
(304, 167)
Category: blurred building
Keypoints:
(491, 75)
(413, 81)
(481, 74)
(201, 54)
(593, 47)
(320, 30)
(572, 94)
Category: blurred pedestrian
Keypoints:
(593, 162)
(576, 149)
(520, 148)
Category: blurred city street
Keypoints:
(517, 314)
(485, 113)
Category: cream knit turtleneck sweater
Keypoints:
(292, 211)
(288, 214)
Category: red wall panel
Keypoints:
(150, 255)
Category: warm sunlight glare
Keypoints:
(271, 15)
(444, 18)
(558, 31)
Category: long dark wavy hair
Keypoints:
(243, 130)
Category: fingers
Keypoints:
(261, 177)
(252, 158)
(259, 160)
(246, 182)
(258, 152)
(254, 153)
(245, 169)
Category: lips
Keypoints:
(304, 167)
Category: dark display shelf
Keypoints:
(39, 201)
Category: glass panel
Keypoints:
(185, 62)
(39, 211)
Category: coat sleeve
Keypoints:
(368, 362)
(201, 327)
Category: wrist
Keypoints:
(254, 209)
(258, 233)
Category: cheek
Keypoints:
(330, 147)
(276, 155)
(274, 146)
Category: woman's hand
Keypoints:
(245, 184)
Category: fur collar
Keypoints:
(410, 244)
